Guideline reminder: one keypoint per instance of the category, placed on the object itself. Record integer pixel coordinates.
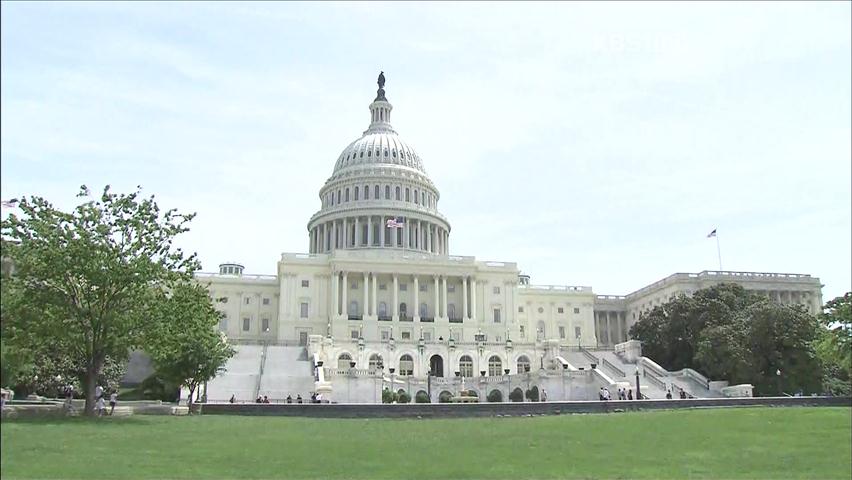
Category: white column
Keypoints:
(344, 304)
(395, 306)
(437, 298)
(429, 237)
(357, 239)
(335, 309)
(375, 304)
(444, 297)
(345, 233)
(464, 299)
(405, 234)
(473, 298)
(366, 308)
(382, 229)
(370, 233)
(416, 299)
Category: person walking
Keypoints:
(233, 398)
(113, 399)
(668, 394)
(630, 394)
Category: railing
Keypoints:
(612, 367)
(241, 277)
(589, 355)
(355, 317)
(654, 380)
(455, 320)
(406, 318)
(427, 319)
(690, 373)
(384, 318)
(555, 288)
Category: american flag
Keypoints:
(10, 204)
(712, 234)
(395, 222)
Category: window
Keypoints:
(523, 364)
(560, 310)
(562, 332)
(264, 325)
(375, 361)
(386, 152)
(520, 309)
(466, 366)
(376, 192)
(383, 309)
(366, 192)
(385, 335)
(496, 290)
(576, 310)
(343, 361)
(393, 153)
(387, 192)
(495, 366)
(523, 332)
(383, 286)
(424, 287)
(451, 288)
(353, 307)
(406, 335)
(403, 287)
(540, 310)
(451, 310)
(422, 198)
(369, 153)
(248, 300)
(354, 335)
(246, 324)
(406, 365)
(407, 194)
(424, 310)
(303, 313)
(397, 194)
(306, 283)
(338, 197)
(346, 196)
(356, 193)
(577, 332)
(403, 309)
(496, 315)
(266, 301)
(416, 197)
(353, 285)
(362, 154)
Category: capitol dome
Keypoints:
(379, 195)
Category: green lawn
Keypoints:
(714, 443)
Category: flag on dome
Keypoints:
(712, 234)
(396, 222)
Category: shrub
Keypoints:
(516, 395)
(445, 397)
(532, 394)
(389, 396)
(495, 396)
(404, 398)
(421, 397)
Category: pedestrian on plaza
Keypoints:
(265, 399)
(233, 398)
(543, 395)
(113, 399)
(289, 399)
(259, 399)
(313, 398)
(630, 394)
(682, 394)
(668, 395)
(298, 398)
(601, 394)
(607, 396)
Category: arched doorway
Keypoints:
(436, 365)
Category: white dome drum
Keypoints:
(379, 195)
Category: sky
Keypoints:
(594, 144)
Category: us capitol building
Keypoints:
(379, 302)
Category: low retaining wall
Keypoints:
(446, 410)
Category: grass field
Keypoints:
(719, 443)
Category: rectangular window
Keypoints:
(266, 301)
(562, 333)
(248, 300)
(576, 310)
(354, 335)
(496, 290)
(403, 287)
(577, 332)
(427, 336)
(423, 287)
(496, 315)
(264, 325)
(406, 335)
(560, 310)
(451, 288)
(354, 286)
(304, 310)
(523, 332)
(306, 283)
(520, 309)
(385, 335)
(246, 324)
(383, 286)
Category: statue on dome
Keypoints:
(381, 79)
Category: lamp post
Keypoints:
(778, 376)
(349, 381)
(564, 372)
(392, 388)
(638, 390)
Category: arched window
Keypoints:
(523, 364)
(397, 194)
(407, 194)
(424, 310)
(386, 152)
(393, 153)
(338, 197)
(387, 192)
(495, 366)
(376, 192)
(416, 197)
(406, 365)
(369, 153)
(466, 366)
(403, 309)
(451, 310)
(422, 198)
(362, 154)
(366, 192)
(356, 193)
(375, 361)
(343, 361)
(383, 309)
(378, 152)
(346, 196)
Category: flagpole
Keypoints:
(719, 251)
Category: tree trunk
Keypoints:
(90, 381)
(191, 391)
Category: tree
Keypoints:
(421, 397)
(84, 280)
(516, 395)
(182, 337)
(389, 396)
(404, 398)
(495, 396)
(834, 346)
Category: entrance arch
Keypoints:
(436, 365)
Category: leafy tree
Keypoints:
(182, 337)
(834, 346)
(54, 370)
(389, 396)
(516, 395)
(84, 279)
